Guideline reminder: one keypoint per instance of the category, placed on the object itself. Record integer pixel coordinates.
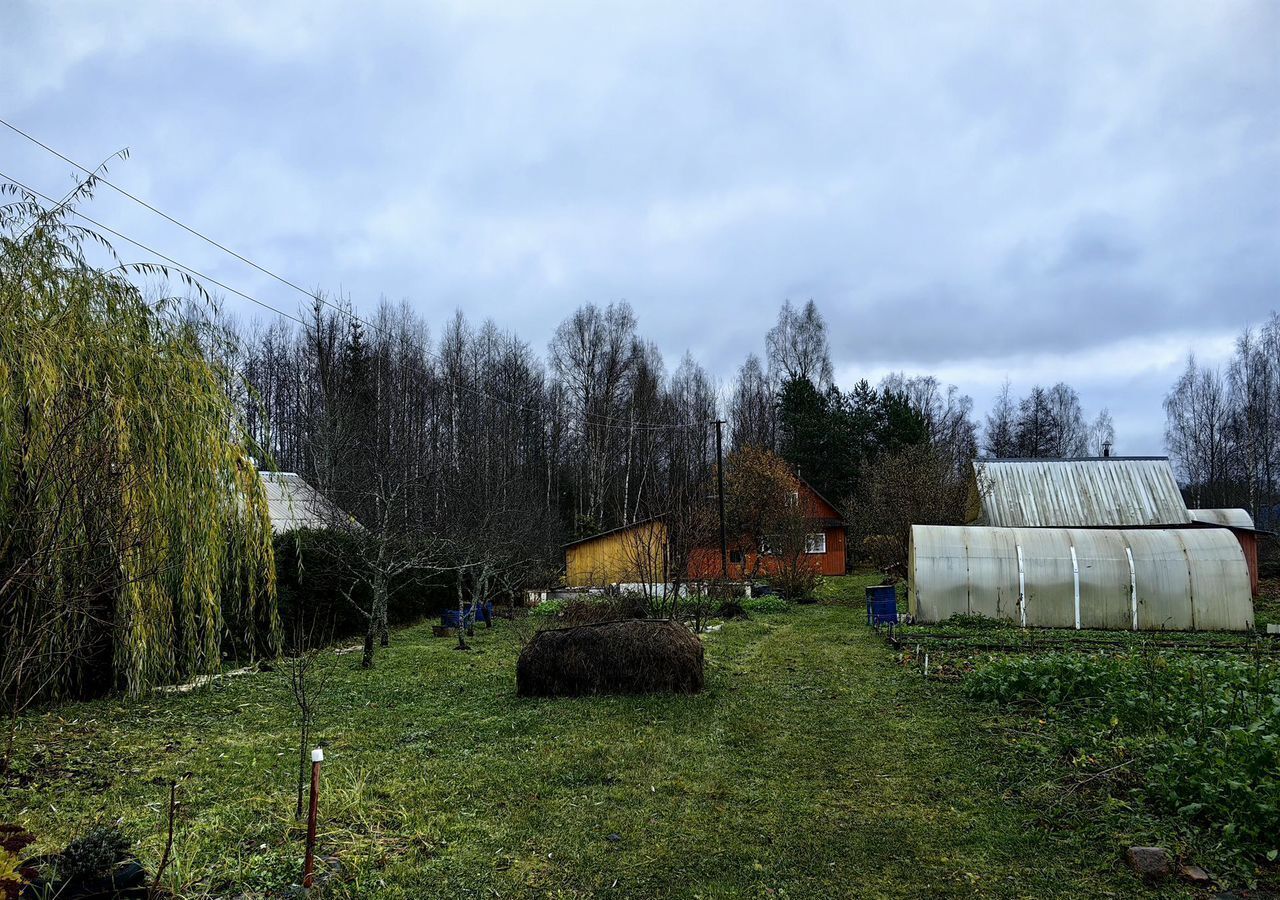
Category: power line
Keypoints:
(161, 213)
(194, 273)
(604, 421)
(311, 295)
(608, 421)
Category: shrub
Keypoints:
(95, 854)
(312, 569)
(796, 582)
(585, 611)
(770, 604)
(590, 608)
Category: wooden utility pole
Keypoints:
(724, 539)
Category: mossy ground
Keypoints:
(812, 766)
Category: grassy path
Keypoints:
(811, 767)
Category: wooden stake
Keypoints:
(308, 867)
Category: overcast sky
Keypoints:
(1038, 191)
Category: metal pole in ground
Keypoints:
(724, 540)
(308, 867)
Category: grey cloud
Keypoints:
(954, 188)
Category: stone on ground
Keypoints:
(1153, 863)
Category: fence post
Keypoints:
(308, 867)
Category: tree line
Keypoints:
(506, 454)
(1223, 427)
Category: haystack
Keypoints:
(638, 656)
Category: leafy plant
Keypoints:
(14, 876)
(547, 609)
(976, 621)
(1201, 734)
(767, 604)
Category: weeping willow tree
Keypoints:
(133, 525)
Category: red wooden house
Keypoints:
(824, 546)
(639, 552)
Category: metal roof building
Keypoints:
(1117, 578)
(1111, 491)
(1226, 518)
(1086, 543)
(293, 503)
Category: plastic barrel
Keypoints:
(882, 604)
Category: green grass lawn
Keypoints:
(812, 766)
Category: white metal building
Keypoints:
(1100, 492)
(293, 504)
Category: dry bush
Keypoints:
(640, 656)
(795, 579)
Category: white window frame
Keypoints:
(817, 539)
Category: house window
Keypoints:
(815, 543)
(735, 557)
(794, 498)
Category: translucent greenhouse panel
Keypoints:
(1163, 581)
(939, 584)
(993, 572)
(1104, 579)
(1050, 580)
(1220, 594)
(1174, 579)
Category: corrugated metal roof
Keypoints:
(1230, 518)
(1078, 493)
(293, 503)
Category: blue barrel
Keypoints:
(882, 604)
(452, 618)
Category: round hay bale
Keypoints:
(638, 656)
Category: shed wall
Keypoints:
(1180, 579)
(635, 554)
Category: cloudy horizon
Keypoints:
(976, 191)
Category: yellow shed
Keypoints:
(631, 554)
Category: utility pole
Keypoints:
(724, 540)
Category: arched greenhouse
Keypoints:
(1149, 579)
